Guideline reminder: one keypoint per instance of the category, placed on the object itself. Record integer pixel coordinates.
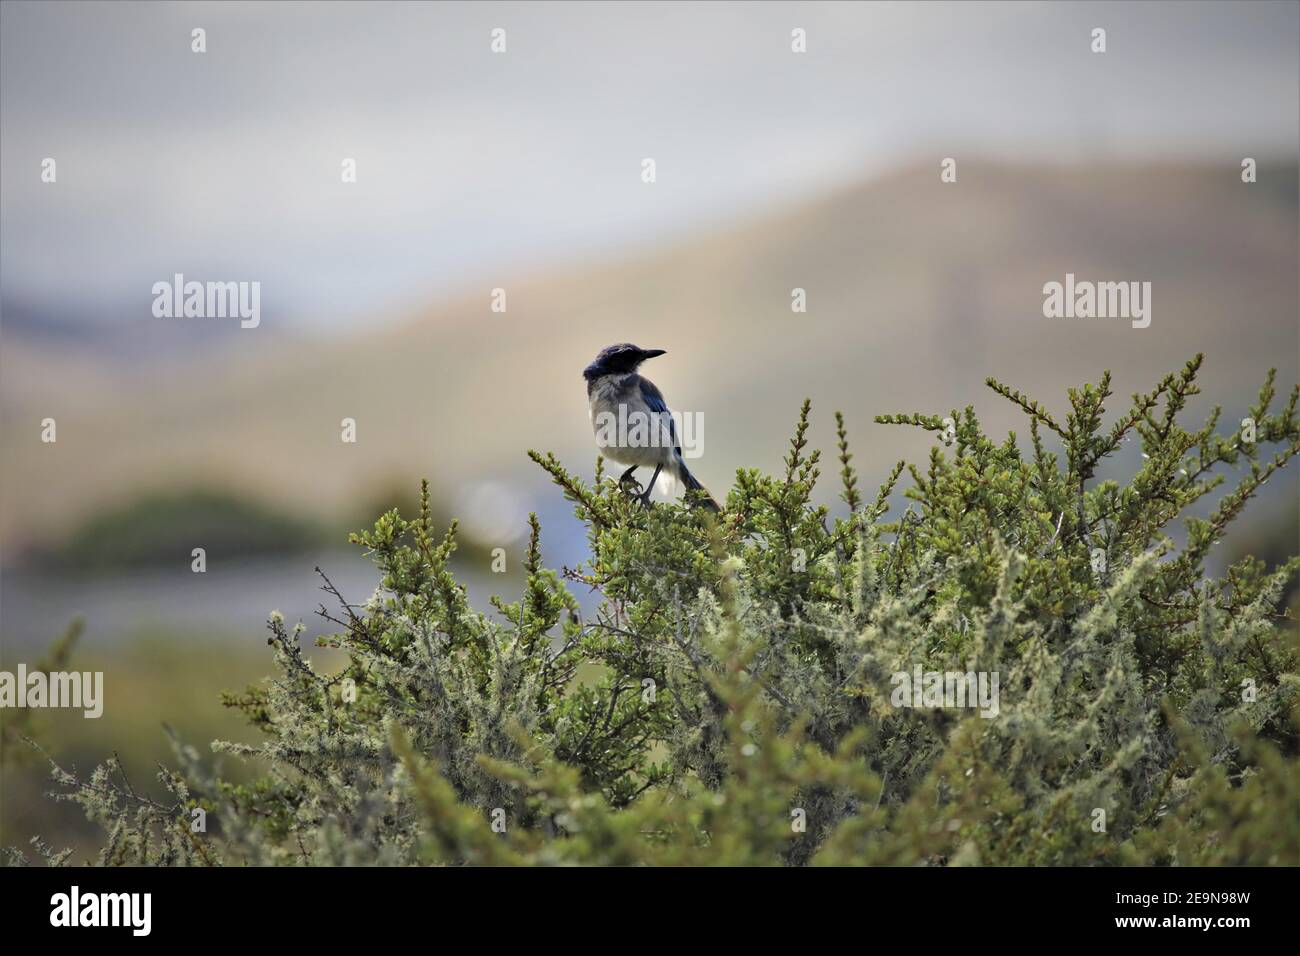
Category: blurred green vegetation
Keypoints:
(1273, 537)
(151, 679)
(156, 527)
(159, 528)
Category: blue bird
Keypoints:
(632, 422)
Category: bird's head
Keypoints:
(618, 360)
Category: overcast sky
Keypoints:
(226, 164)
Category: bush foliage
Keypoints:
(732, 701)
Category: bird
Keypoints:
(633, 424)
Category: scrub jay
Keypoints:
(632, 422)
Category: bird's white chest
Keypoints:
(626, 430)
(608, 392)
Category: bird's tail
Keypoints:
(695, 490)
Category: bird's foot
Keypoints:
(628, 482)
(645, 498)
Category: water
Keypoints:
(232, 599)
(227, 602)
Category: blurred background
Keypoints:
(521, 171)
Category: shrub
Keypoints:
(737, 697)
(152, 529)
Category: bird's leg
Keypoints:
(629, 479)
(645, 498)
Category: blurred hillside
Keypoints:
(916, 292)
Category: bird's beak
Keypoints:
(651, 353)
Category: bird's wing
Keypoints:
(654, 400)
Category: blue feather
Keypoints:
(654, 400)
